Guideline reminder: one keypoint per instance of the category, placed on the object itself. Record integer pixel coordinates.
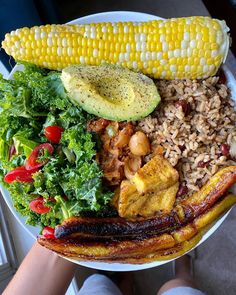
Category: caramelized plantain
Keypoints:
(183, 213)
(142, 249)
(202, 200)
(107, 249)
(160, 255)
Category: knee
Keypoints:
(176, 283)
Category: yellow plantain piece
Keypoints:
(144, 248)
(160, 255)
(107, 249)
(157, 174)
(203, 220)
(181, 214)
(208, 194)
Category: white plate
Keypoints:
(114, 16)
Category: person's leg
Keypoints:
(99, 284)
(183, 283)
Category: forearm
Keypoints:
(41, 272)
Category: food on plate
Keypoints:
(141, 247)
(192, 141)
(111, 92)
(152, 189)
(188, 47)
(181, 214)
(114, 165)
(156, 175)
(131, 203)
(139, 144)
(45, 151)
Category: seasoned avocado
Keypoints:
(111, 92)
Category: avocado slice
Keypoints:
(111, 92)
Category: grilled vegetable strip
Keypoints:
(183, 213)
(76, 247)
(115, 226)
(190, 47)
(109, 249)
(208, 194)
(165, 254)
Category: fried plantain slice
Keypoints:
(207, 195)
(160, 255)
(183, 213)
(77, 246)
(140, 249)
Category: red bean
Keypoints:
(224, 148)
(182, 147)
(182, 103)
(202, 164)
(182, 190)
(222, 77)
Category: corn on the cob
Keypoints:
(191, 47)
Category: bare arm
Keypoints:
(41, 272)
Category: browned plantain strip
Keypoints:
(183, 213)
(74, 247)
(208, 195)
(164, 254)
(188, 231)
(116, 226)
(188, 236)
(160, 255)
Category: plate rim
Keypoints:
(104, 265)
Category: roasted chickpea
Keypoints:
(132, 164)
(139, 144)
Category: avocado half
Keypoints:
(111, 92)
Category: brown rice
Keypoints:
(192, 135)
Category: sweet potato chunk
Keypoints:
(157, 174)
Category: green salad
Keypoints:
(47, 158)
